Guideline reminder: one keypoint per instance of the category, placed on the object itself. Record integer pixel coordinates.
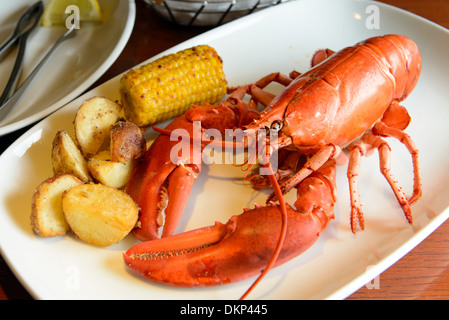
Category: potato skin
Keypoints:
(93, 122)
(67, 158)
(47, 218)
(98, 214)
(127, 142)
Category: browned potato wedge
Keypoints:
(47, 218)
(110, 173)
(93, 122)
(127, 142)
(98, 214)
(67, 158)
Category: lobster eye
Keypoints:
(276, 125)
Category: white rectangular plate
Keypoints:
(281, 38)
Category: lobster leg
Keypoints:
(288, 161)
(242, 247)
(394, 120)
(274, 77)
(384, 158)
(359, 150)
(263, 97)
(315, 162)
(321, 55)
(382, 129)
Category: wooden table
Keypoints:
(421, 274)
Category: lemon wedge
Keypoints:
(54, 13)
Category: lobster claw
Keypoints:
(160, 185)
(164, 180)
(242, 247)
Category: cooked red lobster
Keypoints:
(347, 100)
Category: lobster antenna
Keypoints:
(283, 208)
(251, 161)
(222, 143)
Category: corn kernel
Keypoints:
(168, 86)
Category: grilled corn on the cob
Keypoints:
(167, 87)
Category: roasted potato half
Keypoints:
(98, 214)
(47, 218)
(93, 122)
(127, 142)
(110, 173)
(67, 158)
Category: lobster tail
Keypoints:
(402, 58)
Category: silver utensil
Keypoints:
(27, 22)
(7, 106)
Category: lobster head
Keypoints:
(299, 120)
(267, 132)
